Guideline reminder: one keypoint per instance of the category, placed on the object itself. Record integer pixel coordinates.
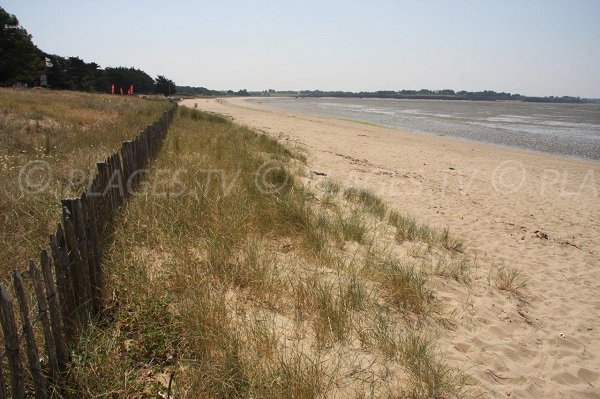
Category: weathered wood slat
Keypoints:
(105, 194)
(127, 167)
(119, 177)
(116, 177)
(57, 329)
(70, 294)
(102, 206)
(39, 383)
(108, 192)
(64, 285)
(82, 245)
(40, 296)
(131, 175)
(75, 266)
(93, 250)
(138, 160)
(11, 343)
(110, 187)
(111, 192)
(2, 383)
(98, 212)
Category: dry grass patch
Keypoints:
(507, 278)
(405, 286)
(456, 266)
(370, 202)
(408, 229)
(66, 133)
(430, 378)
(332, 187)
(267, 294)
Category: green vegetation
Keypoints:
(238, 282)
(165, 86)
(20, 61)
(23, 63)
(72, 73)
(64, 134)
(404, 285)
(371, 203)
(203, 91)
(408, 229)
(123, 77)
(507, 278)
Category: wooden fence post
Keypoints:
(64, 284)
(89, 211)
(144, 144)
(139, 163)
(59, 344)
(95, 200)
(40, 296)
(127, 167)
(111, 190)
(39, 384)
(11, 342)
(77, 253)
(100, 201)
(120, 190)
(79, 216)
(104, 171)
(75, 264)
(2, 382)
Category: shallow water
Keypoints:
(566, 129)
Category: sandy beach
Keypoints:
(537, 212)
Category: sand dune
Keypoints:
(533, 211)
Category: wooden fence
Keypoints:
(65, 287)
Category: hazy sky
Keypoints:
(531, 47)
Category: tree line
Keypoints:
(22, 62)
(203, 91)
(446, 94)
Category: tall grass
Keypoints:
(68, 132)
(408, 229)
(254, 296)
(404, 285)
(370, 202)
(430, 378)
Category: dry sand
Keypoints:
(537, 212)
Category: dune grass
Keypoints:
(507, 278)
(66, 133)
(230, 279)
(370, 202)
(408, 229)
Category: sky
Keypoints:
(528, 47)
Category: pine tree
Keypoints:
(21, 60)
(165, 86)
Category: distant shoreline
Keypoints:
(541, 100)
(510, 123)
(551, 100)
(423, 94)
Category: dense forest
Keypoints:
(24, 64)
